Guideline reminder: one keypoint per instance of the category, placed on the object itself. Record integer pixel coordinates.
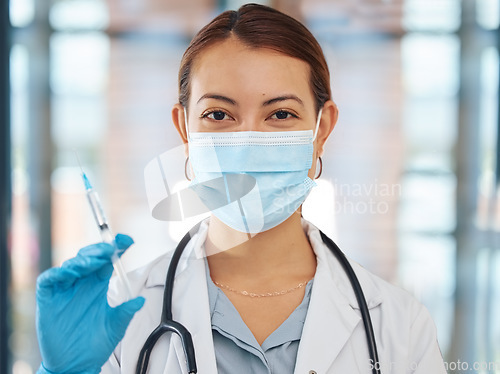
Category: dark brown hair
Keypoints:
(259, 26)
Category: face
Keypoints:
(238, 88)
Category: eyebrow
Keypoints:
(266, 103)
(283, 98)
(218, 97)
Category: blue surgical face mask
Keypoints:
(252, 181)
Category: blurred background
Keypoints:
(410, 186)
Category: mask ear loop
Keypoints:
(186, 122)
(317, 123)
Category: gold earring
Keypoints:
(320, 168)
(185, 169)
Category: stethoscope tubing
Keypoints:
(363, 307)
(166, 314)
(167, 324)
(163, 328)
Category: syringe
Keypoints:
(105, 231)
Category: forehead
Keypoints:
(233, 68)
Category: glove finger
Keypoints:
(62, 278)
(122, 243)
(90, 259)
(120, 317)
(99, 250)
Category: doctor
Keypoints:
(256, 286)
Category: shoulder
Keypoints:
(405, 332)
(389, 296)
(393, 307)
(386, 298)
(401, 321)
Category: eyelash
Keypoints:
(284, 111)
(205, 115)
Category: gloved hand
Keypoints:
(77, 329)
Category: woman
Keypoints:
(266, 295)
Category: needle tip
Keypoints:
(88, 186)
(78, 159)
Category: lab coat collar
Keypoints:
(332, 315)
(191, 305)
(191, 308)
(192, 252)
(372, 293)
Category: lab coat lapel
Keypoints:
(329, 323)
(190, 305)
(191, 308)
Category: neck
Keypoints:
(281, 251)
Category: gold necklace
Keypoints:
(267, 294)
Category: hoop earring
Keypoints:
(185, 169)
(320, 167)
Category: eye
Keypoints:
(216, 115)
(283, 114)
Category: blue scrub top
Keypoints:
(237, 350)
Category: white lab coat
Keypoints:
(333, 338)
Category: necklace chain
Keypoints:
(266, 294)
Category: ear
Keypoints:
(328, 121)
(180, 121)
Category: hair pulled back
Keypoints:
(260, 26)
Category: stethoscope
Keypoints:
(167, 324)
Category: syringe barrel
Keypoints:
(96, 207)
(108, 237)
(106, 234)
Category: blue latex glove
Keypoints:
(77, 329)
